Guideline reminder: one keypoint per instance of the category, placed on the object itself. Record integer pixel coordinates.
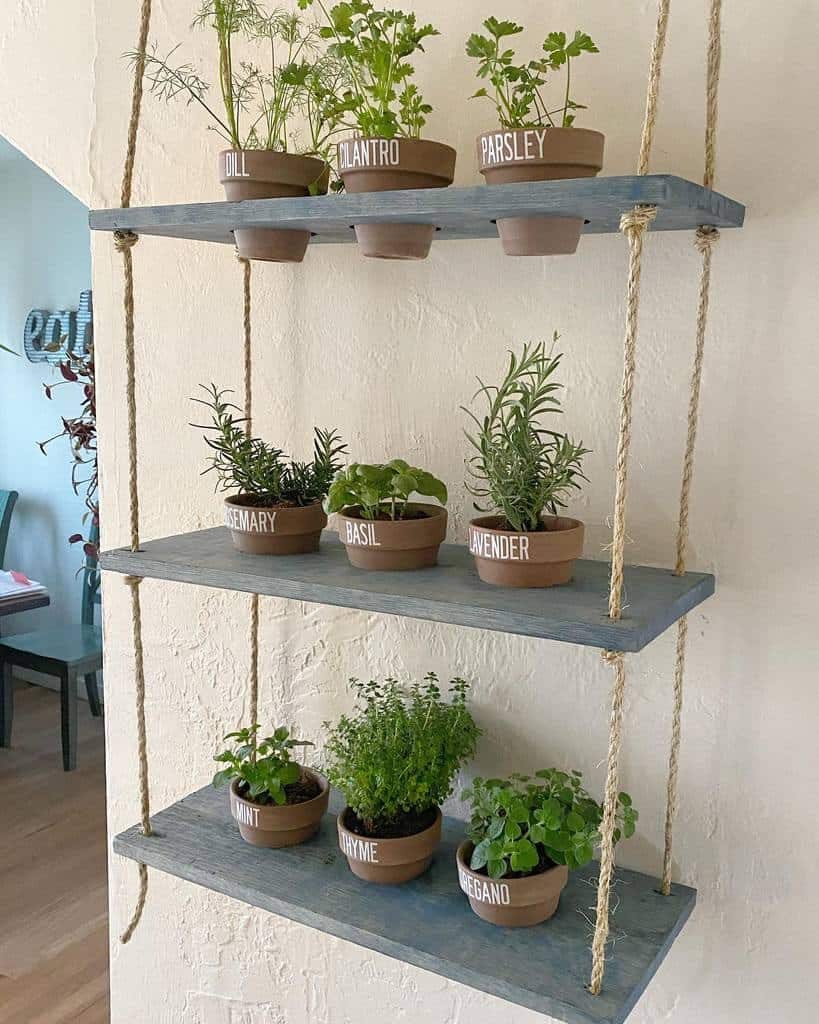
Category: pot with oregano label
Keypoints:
(266, 158)
(525, 835)
(387, 112)
(276, 504)
(378, 524)
(533, 142)
(395, 760)
(274, 800)
(523, 471)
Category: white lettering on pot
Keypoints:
(368, 153)
(359, 849)
(246, 520)
(362, 535)
(235, 165)
(246, 815)
(505, 147)
(495, 893)
(503, 547)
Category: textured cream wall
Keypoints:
(386, 353)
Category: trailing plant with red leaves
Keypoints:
(81, 431)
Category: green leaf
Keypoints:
(220, 778)
(480, 855)
(496, 868)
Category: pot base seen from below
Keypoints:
(272, 245)
(540, 236)
(395, 241)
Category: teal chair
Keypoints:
(8, 500)
(67, 653)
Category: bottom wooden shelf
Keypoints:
(428, 922)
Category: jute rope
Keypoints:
(704, 240)
(254, 600)
(124, 241)
(634, 225)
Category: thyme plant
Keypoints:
(374, 46)
(248, 465)
(398, 753)
(517, 89)
(521, 468)
(520, 825)
(264, 767)
(382, 491)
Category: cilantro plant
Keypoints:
(519, 824)
(398, 753)
(374, 47)
(520, 467)
(248, 465)
(264, 767)
(382, 491)
(516, 90)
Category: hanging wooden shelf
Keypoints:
(428, 922)
(576, 613)
(457, 212)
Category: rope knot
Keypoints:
(132, 581)
(611, 657)
(705, 237)
(637, 219)
(124, 240)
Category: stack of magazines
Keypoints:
(14, 585)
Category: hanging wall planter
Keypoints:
(378, 524)
(274, 801)
(525, 835)
(395, 759)
(524, 471)
(533, 143)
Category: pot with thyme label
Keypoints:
(259, 527)
(542, 558)
(511, 902)
(539, 154)
(389, 860)
(379, 165)
(268, 174)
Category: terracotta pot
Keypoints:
(542, 559)
(511, 902)
(268, 530)
(264, 174)
(539, 154)
(274, 826)
(379, 165)
(389, 861)
(387, 545)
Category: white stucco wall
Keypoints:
(387, 353)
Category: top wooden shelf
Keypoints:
(458, 213)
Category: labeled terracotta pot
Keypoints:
(274, 826)
(539, 154)
(388, 861)
(388, 544)
(273, 530)
(380, 165)
(540, 559)
(511, 902)
(264, 174)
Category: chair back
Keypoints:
(91, 595)
(7, 502)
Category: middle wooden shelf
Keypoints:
(577, 613)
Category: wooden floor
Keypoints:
(53, 892)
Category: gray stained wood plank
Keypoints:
(428, 922)
(458, 213)
(575, 613)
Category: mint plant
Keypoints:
(517, 89)
(399, 753)
(382, 491)
(250, 466)
(264, 768)
(519, 825)
(374, 46)
(521, 467)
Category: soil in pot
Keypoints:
(539, 154)
(386, 544)
(261, 527)
(396, 853)
(264, 174)
(272, 825)
(379, 165)
(514, 901)
(508, 558)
